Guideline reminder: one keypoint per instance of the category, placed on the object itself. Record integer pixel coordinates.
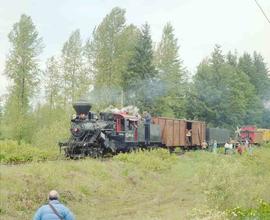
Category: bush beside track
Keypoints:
(11, 152)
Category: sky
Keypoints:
(199, 25)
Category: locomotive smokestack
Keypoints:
(82, 107)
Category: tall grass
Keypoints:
(154, 160)
(143, 185)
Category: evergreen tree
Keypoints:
(265, 118)
(22, 68)
(141, 73)
(222, 95)
(141, 67)
(256, 70)
(232, 59)
(217, 58)
(262, 83)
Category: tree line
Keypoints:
(119, 65)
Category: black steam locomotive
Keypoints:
(96, 136)
(109, 133)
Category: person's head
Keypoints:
(53, 195)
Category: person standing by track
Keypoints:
(228, 147)
(214, 149)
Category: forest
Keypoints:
(120, 65)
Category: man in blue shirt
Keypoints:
(54, 210)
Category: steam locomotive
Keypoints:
(111, 133)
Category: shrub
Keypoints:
(12, 152)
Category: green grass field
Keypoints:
(143, 185)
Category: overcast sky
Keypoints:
(199, 25)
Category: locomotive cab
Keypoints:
(126, 126)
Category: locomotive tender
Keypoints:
(120, 132)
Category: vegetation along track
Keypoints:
(143, 185)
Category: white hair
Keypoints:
(53, 194)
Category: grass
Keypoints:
(143, 185)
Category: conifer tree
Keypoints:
(257, 72)
(141, 66)
(262, 83)
(141, 73)
(217, 58)
(232, 59)
(222, 95)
